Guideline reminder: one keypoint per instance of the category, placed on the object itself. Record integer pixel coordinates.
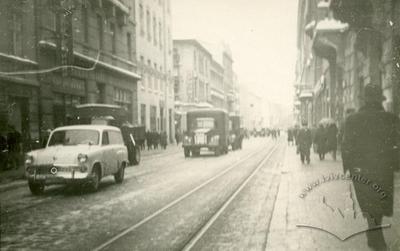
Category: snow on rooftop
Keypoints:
(331, 25)
(16, 58)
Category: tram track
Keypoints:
(114, 240)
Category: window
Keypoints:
(115, 138)
(169, 41)
(148, 25)
(85, 24)
(100, 30)
(113, 38)
(104, 139)
(129, 45)
(154, 31)
(195, 60)
(153, 115)
(17, 34)
(74, 137)
(160, 34)
(141, 17)
(143, 114)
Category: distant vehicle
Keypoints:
(206, 128)
(236, 133)
(104, 114)
(80, 154)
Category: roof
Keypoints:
(86, 127)
(193, 42)
(209, 110)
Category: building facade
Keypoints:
(342, 46)
(57, 54)
(194, 68)
(154, 57)
(218, 97)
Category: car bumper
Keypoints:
(62, 176)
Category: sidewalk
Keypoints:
(10, 179)
(327, 204)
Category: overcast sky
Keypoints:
(260, 33)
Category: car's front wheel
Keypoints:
(119, 176)
(36, 188)
(95, 180)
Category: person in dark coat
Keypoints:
(320, 141)
(370, 150)
(148, 140)
(164, 139)
(331, 139)
(290, 136)
(304, 142)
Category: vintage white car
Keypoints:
(80, 154)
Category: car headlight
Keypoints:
(82, 158)
(29, 160)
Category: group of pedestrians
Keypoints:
(370, 144)
(155, 139)
(326, 140)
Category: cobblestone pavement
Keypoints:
(312, 210)
(68, 219)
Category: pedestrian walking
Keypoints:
(164, 139)
(370, 150)
(304, 142)
(290, 136)
(331, 139)
(149, 140)
(320, 141)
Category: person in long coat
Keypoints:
(331, 139)
(370, 150)
(164, 139)
(320, 141)
(304, 142)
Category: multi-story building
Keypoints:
(154, 46)
(194, 70)
(218, 97)
(57, 54)
(344, 45)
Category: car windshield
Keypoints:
(206, 123)
(74, 137)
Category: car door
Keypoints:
(118, 149)
(107, 153)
